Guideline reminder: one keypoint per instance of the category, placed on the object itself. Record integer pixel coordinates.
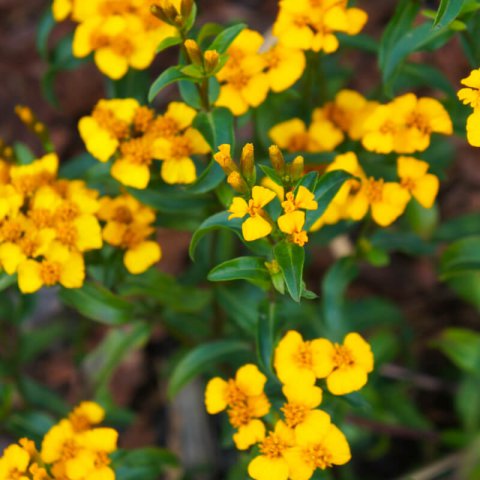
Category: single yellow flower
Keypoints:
(319, 444)
(292, 224)
(302, 199)
(284, 66)
(346, 366)
(256, 225)
(421, 185)
(302, 398)
(471, 94)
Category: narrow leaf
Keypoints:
(291, 258)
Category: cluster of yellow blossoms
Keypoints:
(120, 33)
(251, 73)
(74, 449)
(385, 200)
(403, 125)
(134, 136)
(305, 439)
(470, 95)
(47, 224)
(311, 24)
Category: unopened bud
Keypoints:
(165, 11)
(25, 115)
(186, 7)
(276, 157)
(236, 181)
(194, 52)
(296, 168)
(211, 58)
(247, 162)
(224, 159)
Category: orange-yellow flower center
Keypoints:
(294, 413)
(289, 204)
(181, 148)
(238, 79)
(420, 122)
(272, 58)
(234, 394)
(143, 119)
(102, 459)
(165, 127)
(300, 238)
(298, 142)
(123, 46)
(107, 120)
(67, 211)
(115, 7)
(408, 184)
(388, 127)
(69, 450)
(342, 356)
(303, 356)
(374, 190)
(50, 272)
(11, 230)
(41, 217)
(240, 414)
(137, 150)
(273, 446)
(122, 214)
(317, 456)
(28, 245)
(66, 233)
(254, 208)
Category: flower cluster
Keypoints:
(470, 95)
(312, 24)
(74, 449)
(403, 125)
(305, 439)
(134, 136)
(249, 74)
(385, 200)
(121, 34)
(46, 225)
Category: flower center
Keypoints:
(69, 450)
(41, 217)
(122, 46)
(66, 233)
(298, 142)
(273, 58)
(300, 238)
(420, 122)
(137, 150)
(289, 204)
(342, 356)
(295, 413)
(234, 394)
(11, 231)
(238, 79)
(303, 355)
(50, 275)
(374, 190)
(164, 127)
(181, 148)
(143, 119)
(318, 456)
(253, 208)
(388, 127)
(107, 120)
(239, 414)
(273, 446)
(408, 184)
(80, 423)
(123, 215)
(67, 211)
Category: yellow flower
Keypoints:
(61, 9)
(293, 135)
(473, 129)
(128, 227)
(300, 362)
(256, 225)
(284, 66)
(302, 398)
(292, 223)
(14, 463)
(28, 178)
(347, 365)
(60, 265)
(176, 153)
(319, 444)
(421, 185)
(302, 199)
(243, 81)
(471, 94)
(270, 464)
(85, 415)
(245, 402)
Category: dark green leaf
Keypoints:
(193, 71)
(272, 174)
(458, 227)
(41, 397)
(251, 269)
(216, 127)
(145, 463)
(45, 26)
(207, 31)
(77, 166)
(462, 256)
(199, 359)
(168, 42)
(169, 76)
(266, 337)
(447, 12)
(210, 178)
(325, 190)
(96, 302)
(226, 37)
(291, 258)
(240, 304)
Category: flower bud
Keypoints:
(166, 12)
(211, 59)
(224, 159)
(276, 157)
(236, 181)
(186, 8)
(194, 52)
(247, 162)
(25, 115)
(296, 168)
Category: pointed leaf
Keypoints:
(291, 258)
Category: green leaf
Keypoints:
(251, 269)
(458, 227)
(462, 347)
(169, 76)
(226, 37)
(208, 30)
(209, 179)
(467, 287)
(77, 167)
(97, 303)
(168, 42)
(467, 403)
(291, 258)
(6, 281)
(45, 26)
(266, 337)
(199, 359)
(23, 154)
(334, 285)
(35, 342)
(447, 12)
(39, 396)
(462, 256)
(145, 463)
(218, 220)
(169, 200)
(193, 71)
(272, 174)
(100, 364)
(325, 190)
(241, 305)
(216, 127)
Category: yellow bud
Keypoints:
(224, 159)
(296, 168)
(165, 11)
(24, 114)
(247, 161)
(276, 157)
(211, 58)
(39, 128)
(194, 52)
(236, 181)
